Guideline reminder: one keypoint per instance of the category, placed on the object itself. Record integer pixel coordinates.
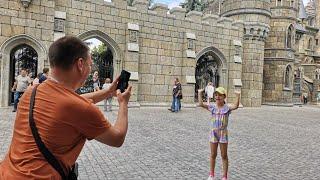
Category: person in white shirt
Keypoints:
(20, 85)
(209, 90)
(107, 101)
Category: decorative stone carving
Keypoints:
(133, 47)
(25, 3)
(133, 37)
(191, 79)
(191, 44)
(134, 76)
(59, 25)
(256, 31)
(133, 44)
(237, 82)
(191, 54)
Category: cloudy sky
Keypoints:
(171, 3)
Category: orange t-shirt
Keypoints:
(64, 121)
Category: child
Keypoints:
(96, 82)
(108, 101)
(219, 122)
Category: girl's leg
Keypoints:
(224, 157)
(214, 149)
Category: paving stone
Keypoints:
(279, 143)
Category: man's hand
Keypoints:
(123, 98)
(113, 87)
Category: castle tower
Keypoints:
(256, 15)
(317, 7)
(214, 7)
(280, 53)
(317, 24)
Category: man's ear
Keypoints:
(80, 64)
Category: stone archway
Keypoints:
(5, 50)
(111, 44)
(211, 67)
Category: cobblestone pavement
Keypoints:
(277, 143)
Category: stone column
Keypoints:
(252, 64)
(131, 63)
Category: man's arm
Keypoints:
(201, 104)
(115, 135)
(98, 96)
(237, 102)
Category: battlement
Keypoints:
(256, 30)
(156, 10)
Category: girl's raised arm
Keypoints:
(237, 102)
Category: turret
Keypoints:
(280, 52)
(256, 16)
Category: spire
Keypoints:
(311, 9)
(302, 11)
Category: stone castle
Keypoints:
(268, 49)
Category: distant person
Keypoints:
(41, 76)
(64, 119)
(36, 80)
(96, 81)
(305, 98)
(209, 90)
(20, 85)
(219, 127)
(44, 75)
(108, 100)
(176, 96)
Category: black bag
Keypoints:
(73, 173)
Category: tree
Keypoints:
(194, 5)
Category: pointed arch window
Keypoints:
(290, 36)
(287, 77)
(278, 2)
(310, 45)
(317, 73)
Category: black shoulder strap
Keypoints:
(43, 149)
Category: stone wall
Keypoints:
(274, 91)
(149, 42)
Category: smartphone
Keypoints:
(123, 80)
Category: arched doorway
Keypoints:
(22, 56)
(106, 55)
(210, 67)
(31, 54)
(102, 58)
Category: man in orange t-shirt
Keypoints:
(63, 118)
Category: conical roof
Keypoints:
(302, 11)
(311, 9)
